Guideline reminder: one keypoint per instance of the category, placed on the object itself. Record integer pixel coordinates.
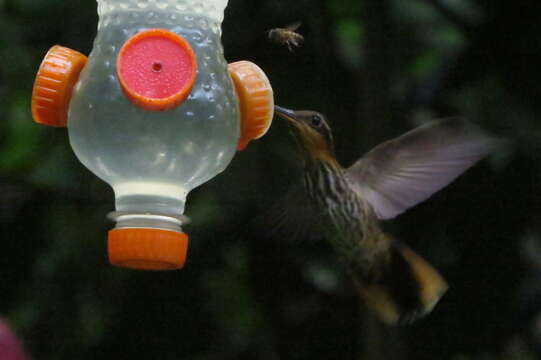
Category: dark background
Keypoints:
(376, 69)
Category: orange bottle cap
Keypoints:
(256, 101)
(156, 69)
(147, 249)
(57, 74)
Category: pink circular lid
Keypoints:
(156, 69)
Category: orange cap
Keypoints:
(156, 69)
(57, 74)
(256, 101)
(147, 249)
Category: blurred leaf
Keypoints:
(21, 149)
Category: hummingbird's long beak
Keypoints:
(285, 114)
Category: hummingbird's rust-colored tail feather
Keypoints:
(409, 287)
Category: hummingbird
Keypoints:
(396, 283)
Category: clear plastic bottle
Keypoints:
(153, 155)
(153, 159)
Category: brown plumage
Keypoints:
(395, 282)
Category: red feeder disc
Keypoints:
(156, 69)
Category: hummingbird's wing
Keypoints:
(293, 216)
(405, 171)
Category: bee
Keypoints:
(287, 36)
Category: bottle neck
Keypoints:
(127, 219)
(152, 198)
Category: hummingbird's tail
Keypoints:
(407, 288)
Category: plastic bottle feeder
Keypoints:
(155, 110)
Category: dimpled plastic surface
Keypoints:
(152, 159)
(212, 9)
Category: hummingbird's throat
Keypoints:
(316, 150)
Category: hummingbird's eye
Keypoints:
(316, 121)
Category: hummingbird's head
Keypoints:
(312, 132)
